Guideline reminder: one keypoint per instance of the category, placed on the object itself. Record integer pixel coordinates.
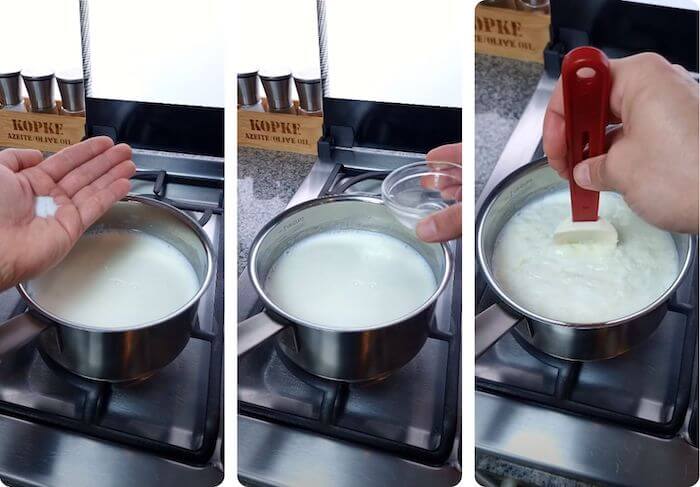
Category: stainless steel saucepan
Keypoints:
(353, 355)
(572, 341)
(117, 355)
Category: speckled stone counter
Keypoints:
(267, 180)
(503, 88)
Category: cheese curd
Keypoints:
(582, 282)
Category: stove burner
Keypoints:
(568, 369)
(138, 414)
(345, 184)
(632, 390)
(160, 180)
(411, 412)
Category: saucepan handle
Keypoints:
(19, 331)
(490, 325)
(255, 330)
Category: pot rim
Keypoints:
(686, 262)
(180, 215)
(269, 304)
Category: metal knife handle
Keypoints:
(255, 330)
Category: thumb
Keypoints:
(19, 159)
(593, 174)
(441, 226)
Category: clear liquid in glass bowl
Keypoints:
(417, 190)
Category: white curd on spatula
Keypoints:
(582, 282)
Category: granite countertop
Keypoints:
(267, 180)
(503, 88)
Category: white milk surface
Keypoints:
(117, 279)
(350, 279)
(583, 282)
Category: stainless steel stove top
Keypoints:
(298, 430)
(625, 421)
(59, 430)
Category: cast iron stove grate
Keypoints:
(174, 414)
(412, 413)
(647, 389)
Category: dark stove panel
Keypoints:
(622, 28)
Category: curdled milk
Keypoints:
(583, 282)
(350, 279)
(117, 279)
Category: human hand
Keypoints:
(652, 160)
(445, 224)
(84, 180)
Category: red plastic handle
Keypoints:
(585, 74)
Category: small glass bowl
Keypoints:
(416, 190)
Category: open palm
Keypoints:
(84, 180)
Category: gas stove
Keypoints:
(60, 430)
(296, 429)
(631, 420)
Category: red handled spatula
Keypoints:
(585, 74)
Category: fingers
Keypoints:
(441, 226)
(64, 161)
(446, 153)
(443, 178)
(553, 133)
(607, 172)
(123, 170)
(83, 175)
(18, 159)
(590, 174)
(554, 128)
(97, 204)
(451, 193)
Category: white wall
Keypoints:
(380, 50)
(160, 51)
(40, 33)
(145, 50)
(396, 51)
(275, 34)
